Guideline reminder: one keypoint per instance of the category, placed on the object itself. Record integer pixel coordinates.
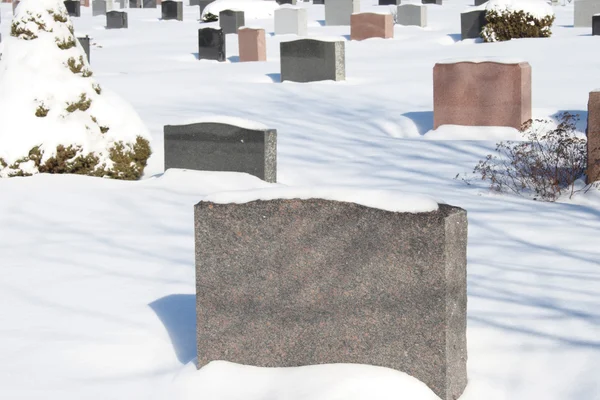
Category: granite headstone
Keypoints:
(211, 44)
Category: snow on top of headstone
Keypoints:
(42, 71)
(477, 60)
(293, 7)
(253, 9)
(254, 27)
(390, 200)
(538, 8)
(373, 12)
(225, 119)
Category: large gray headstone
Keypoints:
(412, 14)
(135, 3)
(116, 20)
(471, 24)
(309, 60)
(172, 10)
(583, 10)
(98, 7)
(338, 12)
(73, 8)
(211, 44)
(207, 146)
(85, 43)
(231, 20)
(287, 283)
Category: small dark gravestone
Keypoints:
(85, 43)
(471, 24)
(116, 20)
(479, 2)
(595, 24)
(309, 60)
(231, 20)
(211, 44)
(73, 8)
(438, 2)
(211, 146)
(389, 2)
(172, 10)
(287, 283)
(149, 3)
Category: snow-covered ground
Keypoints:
(97, 276)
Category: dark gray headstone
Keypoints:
(309, 60)
(135, 3)
(479, 2)
(85, 43)
(596, 25)
(471, 24)
(194, 2)
(73, 8)
(172, 10)
(149, 3)
(389, 2)
(116, 20)
(211, 44)
(208, 146)
(230, 21)
(287, 283)
(438, 2)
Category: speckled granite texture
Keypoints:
(286, 283)
(310, 60)
(209, 146)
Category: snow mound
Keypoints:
(459, 132)
(253, 9)
(49, 101)
(390, 200)
(539, 9)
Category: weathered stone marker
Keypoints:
(116, 20)
(481, 93)
(211, 146)
(412, 14)
(211, 44)
(309, 60)
(150, 4)
(289, 20)
(338, 12)
(73, 8)
(172, 10)
(85, 43)
(371, 25)
(99, 7)
(593, 137)
(231, 20)
(252, 44)
(286, 283)
(471, 24)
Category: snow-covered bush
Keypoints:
(54, 117)
(512, 19)
(208, 17)
(544, 166)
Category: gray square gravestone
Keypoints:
(135, 3)
(583, 10)
(231, 20)
(471, 24)
(338, 12)
(389, 2)
(287, 283)
(116, 20)
(211, 146)
(73, 8)
(438, 2)
(211, 44)
(98, 7)
(292, 21)
(412, 14)
(149, 3)
(85, 43)
(172, 10)
(596, 25)
(309, 60)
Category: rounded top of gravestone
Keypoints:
(389, 200)
(478, 60)
(225, 119)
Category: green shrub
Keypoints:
(208, 17)
(506, 24)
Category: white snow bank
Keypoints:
(253, 9)
(538, 8)
(314, 382)
(390, 200)
(477, 60)
(459, 132)
(224, 119)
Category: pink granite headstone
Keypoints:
(85, 3)
(252, 44)
(371, 25)
(593, 137)
(487, 93)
